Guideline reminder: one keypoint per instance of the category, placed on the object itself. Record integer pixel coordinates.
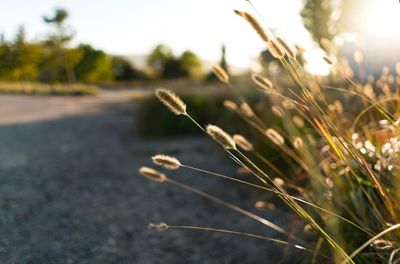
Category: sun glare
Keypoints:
(315, 62)
(381, 18)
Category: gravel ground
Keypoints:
(69, 191)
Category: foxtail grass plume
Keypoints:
(263, 206)
(171, 100)
(220, 73)
(382, 244)
(290, 51)
(277, 111)
(298, 121)
(262, 81)
(275, 137)
(221, 137)
(152, 174)
(230, 105)
(275, 49)
(255, 24)
(298, 142)
(279, 182)
(246, 110)
(159, 227)
(166, 161)
(288, 104)
(242, 142)
(326, 44)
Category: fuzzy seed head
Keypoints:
(326, 44)
(221, 137)
(243, 142)
(279, 182)
(171, 100)
(166, 161)
(277, 111)
(275, 137)
(263, 206)
(246, 110)
(298, 142)
(152, 174)
(298, 121)
(255, 24)
(159, 227)
(220, 73)
(230, 105)
(276, 49)
(289, 49)
(262, 81)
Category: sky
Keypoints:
(134, 27)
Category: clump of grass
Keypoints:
(29, 88)
(349, 200)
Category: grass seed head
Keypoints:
(230, 105)
(152, 174)
(221, 137)
(166, 161)
(298, 142)
(159, 227)
(254, 23)
(290, 51)
(275, 137)
(171, 100)
(276, 49)
(246, 110)
(220, 73)
(262, 81)
(279, 182)
(243, 142)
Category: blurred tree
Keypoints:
(191, 65)
(223, 63)
(60, 61)
(317, 19)
(19, 60)
(173, 69)
(94, 66)
(63, 34)
(123, 70)
(158, 59)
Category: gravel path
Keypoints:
(69, 191)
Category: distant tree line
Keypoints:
(54, 60)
